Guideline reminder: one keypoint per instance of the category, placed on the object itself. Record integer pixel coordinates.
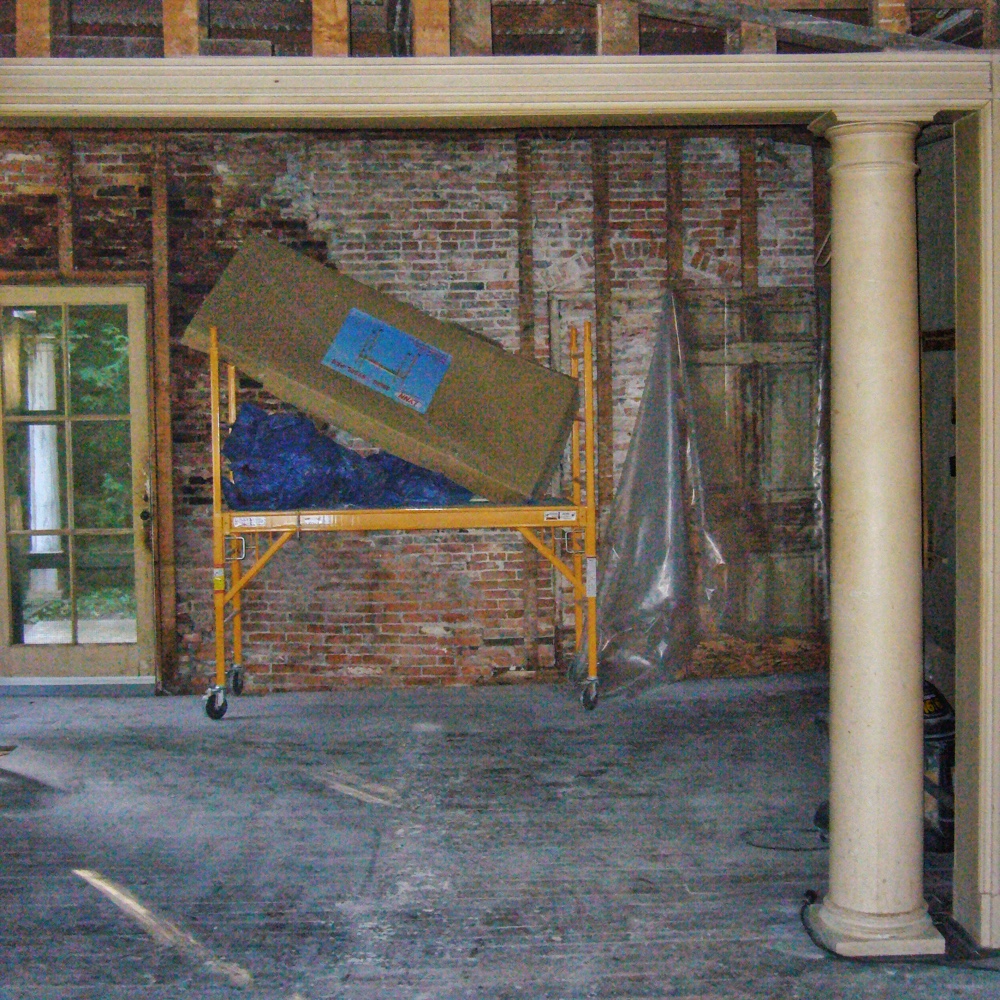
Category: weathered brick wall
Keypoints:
(29, 235)
(784, 214)
(711, 210)
(432, 219)
(112, 213)
(637, 170)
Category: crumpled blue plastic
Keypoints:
(279, 461)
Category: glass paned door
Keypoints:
(76, 566)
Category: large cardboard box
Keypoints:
(433, 393)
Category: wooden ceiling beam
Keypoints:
(618, 28)
(331, 28)
(33, 20)
(180, 28)
(790, 25)
(891, 15)
(471, 27)
(431, 27)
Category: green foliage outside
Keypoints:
(99, 383)
(102, 602)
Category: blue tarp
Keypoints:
(279, 461)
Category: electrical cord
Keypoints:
(784, 839)
(958, 964)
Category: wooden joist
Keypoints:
(746, 37)
(618, 28)
(331, 28)
(33, 20)
(790, 25)
(471, 27)
(431, 27)
(180, 27)
(890, 15)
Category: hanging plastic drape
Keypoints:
(646, 600)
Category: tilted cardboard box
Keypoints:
(431, 392)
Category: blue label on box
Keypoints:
(387, 360)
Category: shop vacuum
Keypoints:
(939, 766)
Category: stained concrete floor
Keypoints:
(489, 843)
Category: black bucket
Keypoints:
(939, 767)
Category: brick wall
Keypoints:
(29, 237)
(432, 219)
(112, 215)
(784, 214)
(711, 210)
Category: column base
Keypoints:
(869, 935)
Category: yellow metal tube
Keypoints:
(269, 553)
(237, 567)
(404, 519)
(574, 466)
(231, 394)
(590, 528)
(218, 538)
(550, 555)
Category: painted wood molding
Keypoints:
(662, 90)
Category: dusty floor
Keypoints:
(464, 843)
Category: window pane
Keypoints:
(105, 589)
(39, 590)
(36, 478)
(98, 359)
(102, 474)
(32, 359)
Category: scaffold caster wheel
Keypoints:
(215, 703)
(588, 697)
(236, 680)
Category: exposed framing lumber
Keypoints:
(525, 249)
(180, 27)
(821, 5)
(602, 326)
(431, 27)
(991, 24)
(821, 215)
(890, 15)
(331, 28)
(790, 25)
(64, 204)
(526, 347)
(33, 27)
(749, 243)
(675, 210)
(163, 448)
(471, 27)
(746, 37)
(48, 276)
(618, 28)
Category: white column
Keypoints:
(875, 903)
(43, 465)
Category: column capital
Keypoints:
(917, 117)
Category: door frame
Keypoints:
(75, 663)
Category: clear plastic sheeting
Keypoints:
(647, 593)
(714, 559)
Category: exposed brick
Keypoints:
(431, 218)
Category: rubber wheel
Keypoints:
(236, 681)
(215, 705)
(588, 697)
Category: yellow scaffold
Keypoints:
(563, 531)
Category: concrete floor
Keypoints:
(493, 843)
